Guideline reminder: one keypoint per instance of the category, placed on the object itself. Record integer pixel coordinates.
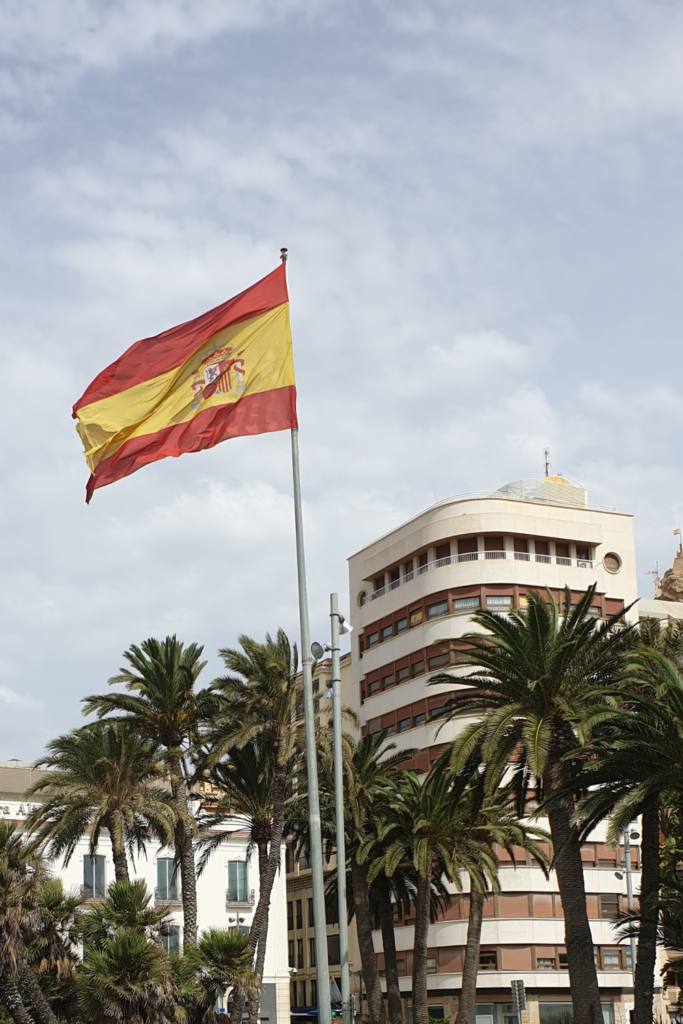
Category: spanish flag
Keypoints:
(225, 374)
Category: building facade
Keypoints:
(227, 889)
(412, 595)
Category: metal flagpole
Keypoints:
(322, 968)
(335, 623)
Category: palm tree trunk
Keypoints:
(649, 915)
(420, 1014)
(386, 919)
(118, 848)
(262, 941)
(361, 903)
(184, 845)
(470, 968)
(34, 995)
(11, 1000)
(268, 868)
(583, 976)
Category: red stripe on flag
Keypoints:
(152, 356)
(254, 414)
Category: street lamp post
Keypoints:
(337, 624)
(628, 835)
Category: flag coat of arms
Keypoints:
(227, 373)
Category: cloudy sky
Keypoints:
(482, 207)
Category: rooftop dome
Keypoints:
(554, 490)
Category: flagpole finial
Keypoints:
(283, 255)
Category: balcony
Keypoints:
(168, 896)
(92, 895)
(474, 556)
(240, 899)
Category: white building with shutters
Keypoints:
(227, 889)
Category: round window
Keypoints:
(612, 562)
(361, 597)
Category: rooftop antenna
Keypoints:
(546, 456)
(654, 573)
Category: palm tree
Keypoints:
(488, 810)
(100, 777)
(372, 775)
(17, 911)
(128, 978)
(163, 706)
(538, 673)
(220, 961)
(426, 826)
(128, 905)
(634, 765)
(52, 944)
(257, 705)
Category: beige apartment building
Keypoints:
(412, 595)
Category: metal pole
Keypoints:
(340, 838)
(322, 968)
(629, 895)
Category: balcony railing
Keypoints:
(474, 556)
(240, 899)
(169, 895)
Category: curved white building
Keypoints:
(417, 587)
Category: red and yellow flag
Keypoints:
(225, 374)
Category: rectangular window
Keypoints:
(378, 584)
(299, 953)
(488, 960)
(167, 879)
(465, 604)
(611, 959)
(439, 660)
(562, 554)
(403, 673)
(419, 719)
(387, 632)
(404, 724)
(93, 876)
(333, 954)
(408, 570)
(401, 624)
(499, 601)
(374, 686)
(311, 952)
(299, 914)
(310, 913)
(387, 681)
(290, 950)
(431, 965)
(438, 712)
(416, 617)
(583, 554)
(372, 639)
(417, 668)
(435, 1012)
(237, 882)
(394, 578)
(435, 610)
(390, 730)
(467, 549)
(521, 546)
(563, 962)
(422, 562)
(314, 993)
(290, 923)
(542, 551)
(609, 905)
(494, 547)
(546, 963)
(443, 554)
(170, 938)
